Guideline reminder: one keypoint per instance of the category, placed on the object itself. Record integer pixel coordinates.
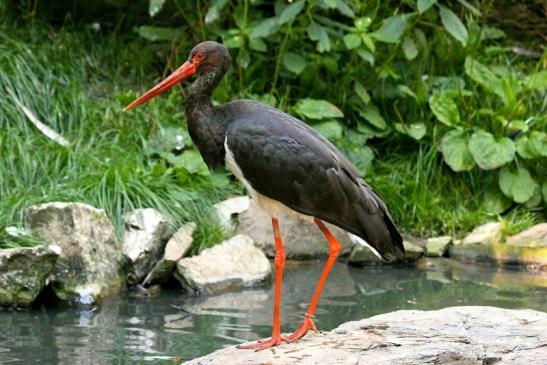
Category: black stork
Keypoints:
(285, 166)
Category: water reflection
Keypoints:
(172, 325)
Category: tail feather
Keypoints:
(379, 231)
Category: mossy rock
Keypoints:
(23, 274)
(501, 254)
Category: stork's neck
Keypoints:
(207, 132)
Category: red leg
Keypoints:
(334, 250)
(276, 338)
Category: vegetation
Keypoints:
(427, 98)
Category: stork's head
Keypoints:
(206, 57)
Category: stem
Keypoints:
(242, 47)
(201, 23)
(279, 56)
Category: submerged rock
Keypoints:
(535, 236)
(23, 274)
(488, 233)
(233, 264)
(90, 265)
(144, 240)
(175, 249)
(437, 246)
(451, 336)
(301, 238)
(501, 254)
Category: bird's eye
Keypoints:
(200, 56)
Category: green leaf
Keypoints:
(213, 14)
(155, 6)
(233, 42)
(489, 152)
(318, 33)
(392, 29)
(544, 191)
(415, 130)
(291, 11)
(344, 9)
(294, 62)
(331, 130)
(407, 91)
(361, 157)
(265, 28)
(317, 109)
(456, 152)
(366, 55)
(257, 44)
(533, 146)
(535, 200)
(363, 23)
(517, 185)
(368, 41)
(444, 108)
(373, 116)
(158, 33)
(352, 40)
(494, 201)
(409, 48)
(536, 81)
(361, 92)
(453, 25)
(190, 160)
(482, 75)
(424, 5)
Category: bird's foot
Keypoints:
(265, 344)
(307, 324)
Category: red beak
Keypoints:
(183, 72)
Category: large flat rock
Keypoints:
(454, 335)
(233, 264)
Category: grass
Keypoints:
(427, 199)
(71, 81)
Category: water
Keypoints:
(172, 326)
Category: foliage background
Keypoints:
(440, 104)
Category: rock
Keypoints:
(227, 209)
(361, 255)
(175, 249)
(437, 246)
(413, 250)
(144, 240)
(233, 264)
(301, 238)
(23, 274)
(501, 254)
(487, 233)
(90, 265)
(535, 236)
(450, 336)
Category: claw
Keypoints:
(306, 325)
(264, 344)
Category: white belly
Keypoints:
(272, 207)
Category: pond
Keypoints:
(173, 326)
